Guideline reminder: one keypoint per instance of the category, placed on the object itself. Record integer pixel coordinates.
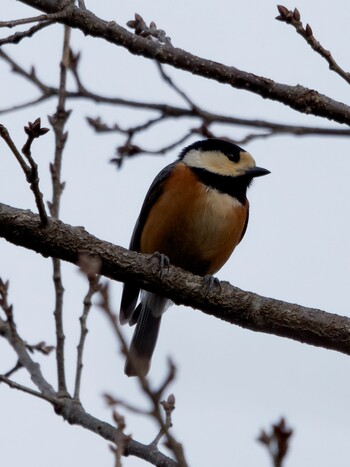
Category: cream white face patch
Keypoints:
(217, 162)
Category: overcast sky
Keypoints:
(231, 382)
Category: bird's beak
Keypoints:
(256, 172)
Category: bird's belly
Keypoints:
(197, 229)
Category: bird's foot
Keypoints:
(164, 262)
(209, 282)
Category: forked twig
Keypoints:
(33, 130)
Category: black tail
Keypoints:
(148, 316)
(143, 343)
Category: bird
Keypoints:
(194, 215)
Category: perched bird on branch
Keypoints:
(194, 214)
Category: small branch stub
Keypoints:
(277, 441)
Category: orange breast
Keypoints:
(196, 227)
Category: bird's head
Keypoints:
(223, 158)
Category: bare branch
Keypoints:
(31, 76)
(293, 18)
(101, 127)
(74, 413)
(111, 401)
(9, 332)
(93, 288)
(33, 130)
(20, 387)
(34, 19)
(18, 36)
(58, 121)
(153, 396)
(166, 111)
(171, 83)
(70, 409)
(13, 370)
(128, 149)
(297, 97)
(231, 304)
(50, 6)
(277, 442)
(169, 407)
(5, 135)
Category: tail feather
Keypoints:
(128, 302)
(149, 315)
(143, 344)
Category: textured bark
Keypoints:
(228, 303)
(297, 97)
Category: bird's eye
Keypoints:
(234, 157)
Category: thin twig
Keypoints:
(58, 121)
(5, 135)
(6, 307)
(111, 401)
(174, 86)
(33, 131)
(93, 288)
(129, 150)
(166, 111)
(24, 105)
(70, 409)
(122, 438)
(299, 98)
(34, 19)
(31, 75)
(169, 407)
(20, 387)
(9, 332)
(101, 127)
(75, 414)
(293, 18)
(154, 396)
(277, 442)
(18, 36)
(13, 370)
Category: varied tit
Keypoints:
(195, 213)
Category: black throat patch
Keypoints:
(233, 186)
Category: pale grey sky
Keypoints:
(231, 382)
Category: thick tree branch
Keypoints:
(297, 97)
(246, 309)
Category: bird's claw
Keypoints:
(209, 282)
(164, 262)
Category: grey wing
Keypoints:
(131, 290)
